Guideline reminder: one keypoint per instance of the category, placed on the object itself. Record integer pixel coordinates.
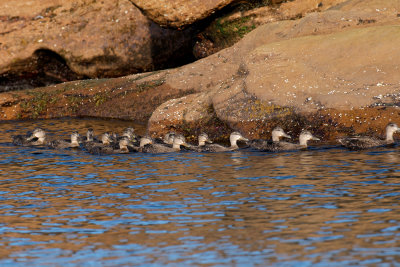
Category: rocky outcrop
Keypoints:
(43, 42)
(179, 13)
(46, 42)
(326, 72)
(229, 27)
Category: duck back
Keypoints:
(20, 140)
(260, 144)
(157, 148)
(281, 146)
(359, 143)
(215, 148)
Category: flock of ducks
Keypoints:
(129, 142)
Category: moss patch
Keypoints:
(37, 104)
(141, 87)
(228, 32)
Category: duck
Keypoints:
(129, 132)
(89, 136)
(37, 138)
(145, 140)
(233, 138)
(364, 142)
(276, 133)
(304, 137)
(114, 138)
(148, 146)
(169, 138)
(202, 140)
(105, 139)
(62, 144)
(107, 149)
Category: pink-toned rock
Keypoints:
(83, 39)
(327, 65)
(370, 6)
(344, 70)
(229, 28)
(179, 13)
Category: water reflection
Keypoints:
(326, 207)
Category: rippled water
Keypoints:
(322, 207)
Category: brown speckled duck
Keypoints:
(62, 144)
(107, 149)
(106, 140)
(304, 137)
(169, 138)
(89, 136)
(149, 147)
(37, 138)
(233, 138)
(277, 133)
(364, 142)
(202, 139)
(129, 133)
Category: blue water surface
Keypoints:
(310, 208)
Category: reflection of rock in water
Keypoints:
(191, 208)
(237, 157)
(392, 157)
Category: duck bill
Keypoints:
(315, 138)
(287, 136)
(209, 141)
(30, 137)
(185, 144)
(244, 139)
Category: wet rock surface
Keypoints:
(325, 72)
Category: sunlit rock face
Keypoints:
(228, 26)
(179, 13)
(43, 42)
(47, 42)
(326, 71)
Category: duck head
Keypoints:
(129, 132)
(305, 136)
(38, 133)
(203, 138)
(179, 141)
(236, 136)
(106, 138)
(145, 140)
(124, 143)
(277, 133)
(391, 128)
(169, 138)
(75, 138)
(89, 135)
